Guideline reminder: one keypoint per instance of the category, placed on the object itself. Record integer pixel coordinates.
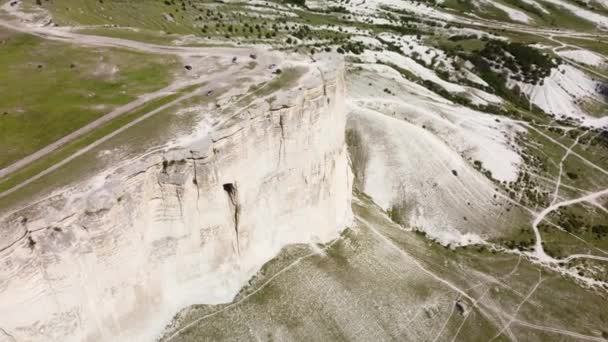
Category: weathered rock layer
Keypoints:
(116, 259)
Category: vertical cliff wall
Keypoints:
(171, 230)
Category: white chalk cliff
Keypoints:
(114, 259)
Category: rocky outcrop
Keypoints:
(115, 260)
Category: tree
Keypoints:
(600, 231)
(301, 3)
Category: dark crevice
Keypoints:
(282, 142)
(26, 235)
(162, 195)
(227, 136)
(232, 192)
(283, 107)
(67, 217)
(282, 125)
(136, 174)
(25, 232)
(31, 243)
(323, 80)
(179, 201)
(195, 181)
(6, 334)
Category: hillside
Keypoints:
(187, 170)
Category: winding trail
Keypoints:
(171, 89)
(445, 323)
(524, 301)
(585, 160)
(583, 256)
(539, 251)
(558, 183)
(512, 319)
(571, 61)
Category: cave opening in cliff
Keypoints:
(229, 188)
(232, 193)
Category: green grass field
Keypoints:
(72, 147)
(164, 21)
(50, 89)
(136, 140)
(596, 45)
(133, 141)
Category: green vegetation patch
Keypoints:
(135, 140)
(141, 35)
(557, 16)
(72, 147)
(284, 80)
(50, 89)
(584, 229)
(163, 21)
(564, 18)
(456, 43)
(593, 44)
(594, 108)
(528, 64)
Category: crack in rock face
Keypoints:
(232, 192)
(158, 234)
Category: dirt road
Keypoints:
(190, 54)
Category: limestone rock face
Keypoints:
(117, 258)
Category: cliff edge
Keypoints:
(117, 257)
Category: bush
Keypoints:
(519, 58)
(600, 231)
(301, 3)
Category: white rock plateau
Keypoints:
(114, 259)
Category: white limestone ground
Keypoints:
(367, 40)
(346, 29)
(115, 258)
(485, 137)
(410, 65)
(468, 66)
(33, 14)
(594, 17)
(537, 5)
(584, 57)
(412, 47)
(471, 31)
(421, 155)
(477, 96)
(561, 94)
(371, 8)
